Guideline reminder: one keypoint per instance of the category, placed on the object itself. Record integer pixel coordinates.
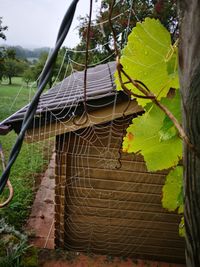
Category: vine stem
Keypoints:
(146, 93)
(150, 95)
(178, 126)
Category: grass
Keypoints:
(31, 161)
(13, 97)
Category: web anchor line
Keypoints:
(44, 78)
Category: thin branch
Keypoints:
(147, 94)
(153, 98)
(176, 123)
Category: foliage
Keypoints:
(100, 33)
(26, 54)
(11, 66)
(2, 60)
(145, 134)
(173, 190)
(182, 227)
(172, 199)
(14, 248)
(28, 76)
(2, 30)
(13, 245)
(59, 69)
(150, 58)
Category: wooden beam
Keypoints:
(95, 117)
(189, 74)
(4, 129)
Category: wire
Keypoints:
(107, 21)
(44, 77)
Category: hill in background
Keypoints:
(25, 53)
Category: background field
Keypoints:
(31, 161)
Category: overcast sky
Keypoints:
(34, 23)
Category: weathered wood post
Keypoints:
(189, 68)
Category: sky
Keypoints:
(35, 23)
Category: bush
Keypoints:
(14, 248)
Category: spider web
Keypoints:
(112, 205)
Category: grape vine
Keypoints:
(149, 72)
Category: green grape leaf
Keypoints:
(144, 136)
(150, 58)
(182, 227)
(167, 130)
(173, 190)
(167, 134)
(172, 69)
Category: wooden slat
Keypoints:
(87, 163)
(140, 224)
(127, 248)
(127, 238)
(121, 195)
(139, 232)
(106, 135)
(98, 151)
(95, 162)
(119, 175)
(125, 214)
(113, 186)
(82, 202)
(110, 210)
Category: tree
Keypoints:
(2, 49)
(13, 68)
(2, 30)
(59, 69)
(28, 76)
(2, 61)
(189, 68)
(12, 65)
(100, 32)
(101, 39)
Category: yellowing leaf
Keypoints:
(150, 58)
(160, 151)
(173, 190)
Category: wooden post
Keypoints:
(189, 68)
(60, 189)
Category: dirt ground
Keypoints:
(70, 259)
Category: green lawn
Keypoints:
(13, 97)
(31, 161)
